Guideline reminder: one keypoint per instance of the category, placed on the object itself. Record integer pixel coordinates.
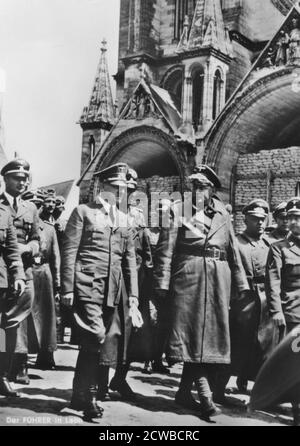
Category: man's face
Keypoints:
(255, 225)
(282, 223)
(202, 194)
(294, 224)
(15, 184)
(117, 193)
(49, 205)
(39, 206)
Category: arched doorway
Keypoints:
(151, 152)
(264, 117)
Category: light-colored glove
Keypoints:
(67, 300)
(19, 287)
(136, 317)
(279, 320)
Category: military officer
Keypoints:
(136, 222)
(11, 275)
(46, 279)
(196, 262)
(283, 280)
(97, 250)
(25, 218)
(47, 213)
(283, 273)
(251, 330)
(60, 223)
(281, 219)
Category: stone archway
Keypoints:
(150, 151)
(265, 116)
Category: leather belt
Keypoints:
(208, 253)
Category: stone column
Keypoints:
(187, 106)
(208, 90)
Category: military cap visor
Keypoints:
(34, 196)
(16, 167)
(280, 210)
(115, 175)
(200, 180)
(205, 175)
(293, 207)
(257, 208)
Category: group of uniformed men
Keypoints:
(229, 300)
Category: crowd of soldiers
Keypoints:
(218, 303)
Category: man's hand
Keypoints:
(67, 299)
(19, 287)
(279, 320)
(133, 302)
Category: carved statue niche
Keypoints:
(282, 46)
(269, 61)
(141, 107)
(294, 43)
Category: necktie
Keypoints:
(15, 205)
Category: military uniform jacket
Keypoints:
(276, 236)
(11, 267)
(94, 255)
(26, 222)
(283, 279)
(252, 331)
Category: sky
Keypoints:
(49, 52)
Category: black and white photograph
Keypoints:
(149, 215)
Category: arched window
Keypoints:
(197, 85)
(92, 147)
(217, 95)
(173, 84)
(182, 8)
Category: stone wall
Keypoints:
(269, 174)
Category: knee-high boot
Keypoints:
(85, 385)
(5, 387)
(91, 409)
(103, 378)
(184, 396)
(119, 383)
(208, 407)
(19, 369)
(79, 384)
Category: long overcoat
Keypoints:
(95, 257)
(283, 279)
(26, 222)
(252, 331)
(46, 280)
(200, 286)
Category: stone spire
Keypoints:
(208, 29)
(101, 107)
(183, 43)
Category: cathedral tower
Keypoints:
(98, 117)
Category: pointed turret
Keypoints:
(183, 43)
(101, 109)
(208, 29)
